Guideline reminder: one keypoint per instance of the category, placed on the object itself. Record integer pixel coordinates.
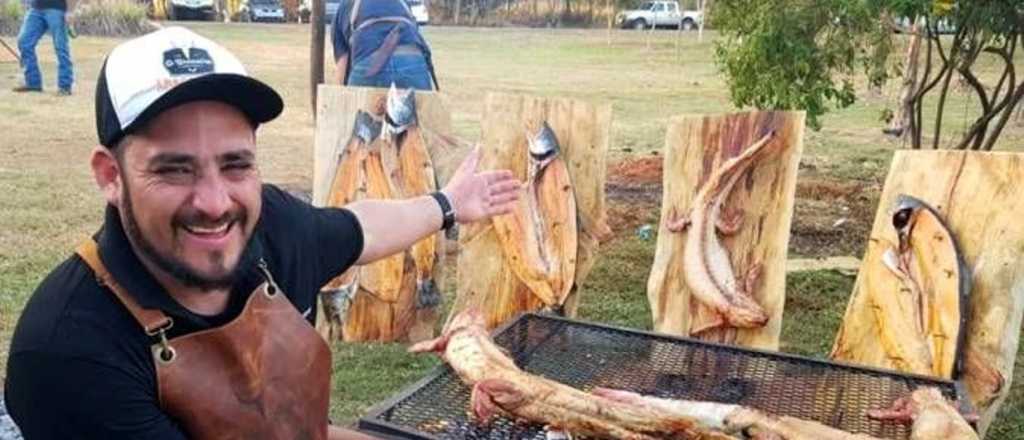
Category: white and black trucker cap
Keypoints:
(147, 75)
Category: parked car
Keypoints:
(419, 11)
(266, 10)
(943, 26)
(659, 14)
(418, 8)
(190, 9)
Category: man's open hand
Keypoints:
(480, 195)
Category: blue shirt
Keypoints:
(370, 38)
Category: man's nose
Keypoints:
(212, 197)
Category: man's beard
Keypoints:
(178, 269)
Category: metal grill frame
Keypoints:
(375, 421)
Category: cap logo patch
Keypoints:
(197, 61)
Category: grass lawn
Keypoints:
(50, 202)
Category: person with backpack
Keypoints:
(378, 43)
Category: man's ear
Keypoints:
(107, 173)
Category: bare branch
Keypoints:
(1002, 120)
(941, 106)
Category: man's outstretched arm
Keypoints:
(390, 226)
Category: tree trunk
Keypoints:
(900, 125)
(316, 55)
(610, 10)
(458, 11)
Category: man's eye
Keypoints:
(238, 166)
(173, 171)
(238, 169)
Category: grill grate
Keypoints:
(586, 355)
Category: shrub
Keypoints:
(11, 13)
(111, 18)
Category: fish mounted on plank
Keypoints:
(918, 291)
(720, 301)
(500, 388)
(337, 295)
(414, 176)
(391, 299)
(539, 237)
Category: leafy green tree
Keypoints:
(805, 54)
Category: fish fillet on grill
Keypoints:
(500, 387)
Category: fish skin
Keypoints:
(919, 305)
(382, 278)
(338, 293)
(499, 387)
(366, 128)
(707, 267)
(738, 419)
(415, 177)
(949, 365)
(540, 236)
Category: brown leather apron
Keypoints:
(264, 375)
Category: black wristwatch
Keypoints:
(447, 212)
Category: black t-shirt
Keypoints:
(50, 4)
(80, 365)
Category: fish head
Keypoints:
(904, 214)
(366, 128)
(400, 110)
(337, 301)
(427, 294)
(543, 149)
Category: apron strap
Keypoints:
(153, 321)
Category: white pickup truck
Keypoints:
(659, 14)
(191, 9)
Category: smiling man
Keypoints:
(188, 315)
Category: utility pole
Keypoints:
(316, 53)
(700, 26)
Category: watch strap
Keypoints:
(447, 212)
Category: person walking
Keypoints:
(45, 16)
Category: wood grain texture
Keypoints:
(978, 194)
(485, 279)
(694, 147)
(380, 310)
(336, 110)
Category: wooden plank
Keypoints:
(485, 278)
(694, 147)
(978, 196)
(336, 110)
(388, 318)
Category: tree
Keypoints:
(805, 54)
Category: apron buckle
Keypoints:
(270, 288)
(162, 351)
